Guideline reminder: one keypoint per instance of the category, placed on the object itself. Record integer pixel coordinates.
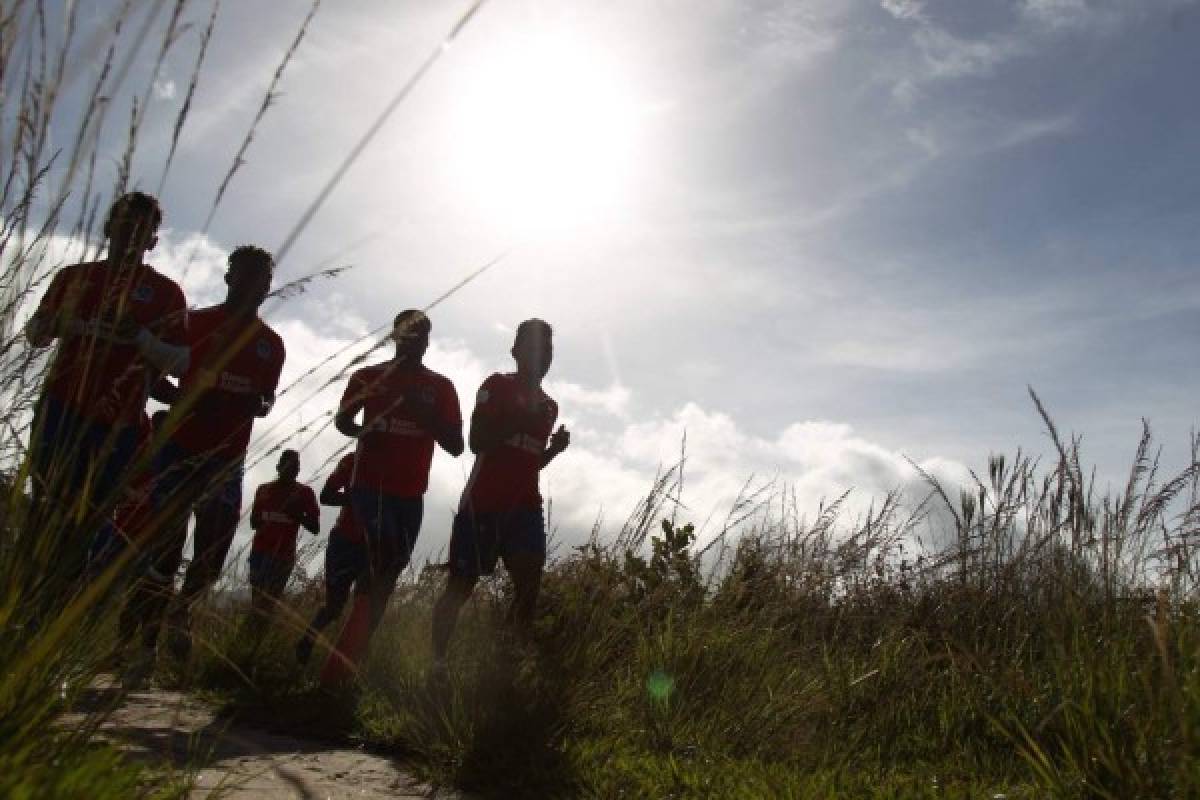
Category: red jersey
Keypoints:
(505, 478)
(88, 364)
(346, 525)
(394, 452)
(277, 530)
(234, 362)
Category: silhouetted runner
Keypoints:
(120, 324)
(406, 408)
(345, 554)
(280, 508)
(500, 515)
(234, 368)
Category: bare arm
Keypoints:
(40, 330)
(343, 420)
(334, 493)
(255, 514)
(310, 521)
(301, 507)
(448, 435)
(559, 440)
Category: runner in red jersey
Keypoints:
(233, 372)
(500, 516)
(406, 409)
(280, 508)
(119, 324)
(345, 554)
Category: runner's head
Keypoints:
(132, 227)
(248, 278)
(411, 330)
(288, 466)
(533, 348)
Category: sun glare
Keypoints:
(545, 138)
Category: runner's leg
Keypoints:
(526, 572)
(445, 612)
(217, 516)
(398, 536)
(473, 552)
(342, 566)
(523, 548)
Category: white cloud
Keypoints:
(950, 56)
(903, 9)
(1021, 132)
(164, 89)
(818, 460)
(1068, 15)
(195, 262)
(613, 400)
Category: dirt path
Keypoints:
(225, 759)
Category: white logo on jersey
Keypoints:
(523, 441)
(235, 383)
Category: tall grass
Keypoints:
(1049, 647)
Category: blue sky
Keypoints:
(820, 236)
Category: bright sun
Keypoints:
(545, 137)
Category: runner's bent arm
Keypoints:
(344, 420)
(440, 418)
(310, 516)
(334, 493)
(267, 398)
(353, 401)
(256, 511)
(449, 437)
(266, 403)
(559, 440)
(40, 330)
(44, 326)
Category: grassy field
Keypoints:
(1026, 659)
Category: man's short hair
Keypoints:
(413, 322)
(138, 203)
(290, 454)
(534, 327)
(249, 256)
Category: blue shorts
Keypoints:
(344, 562)
(391, 525)
(72, 453)
(479, 539)
(269, 574)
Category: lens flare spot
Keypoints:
(660, 685)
